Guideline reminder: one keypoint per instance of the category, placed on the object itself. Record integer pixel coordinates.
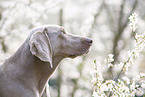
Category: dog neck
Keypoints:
(29, 70)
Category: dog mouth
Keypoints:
(81, 50)
(78, 54)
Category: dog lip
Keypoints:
(86, 51)
(75, 55)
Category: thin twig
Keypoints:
(117, 37)
(122, 69)
(98, 13)
(120, 31)
(110, 19)
(134, 6)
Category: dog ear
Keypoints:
(40, 46)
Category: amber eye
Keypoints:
(62, 31)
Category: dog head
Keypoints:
(53, 41)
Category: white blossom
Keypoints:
(142, 75)
(126, 79)
(124, 87)
(110, 65)
(143, 85)
(104, 87)
(137, 77)
(120, 64)
(133, 19)
(132, 86)
(110, 58)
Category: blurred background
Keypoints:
(105, 21)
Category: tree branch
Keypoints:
(121, 28)
(98, 13)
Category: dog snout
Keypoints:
(89, 41)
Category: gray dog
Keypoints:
(26, 73)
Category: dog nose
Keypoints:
(88, 40)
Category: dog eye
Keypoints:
(62, 32)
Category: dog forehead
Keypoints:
(50, 29)
(55, 29)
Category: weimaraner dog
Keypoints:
(26, 73)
